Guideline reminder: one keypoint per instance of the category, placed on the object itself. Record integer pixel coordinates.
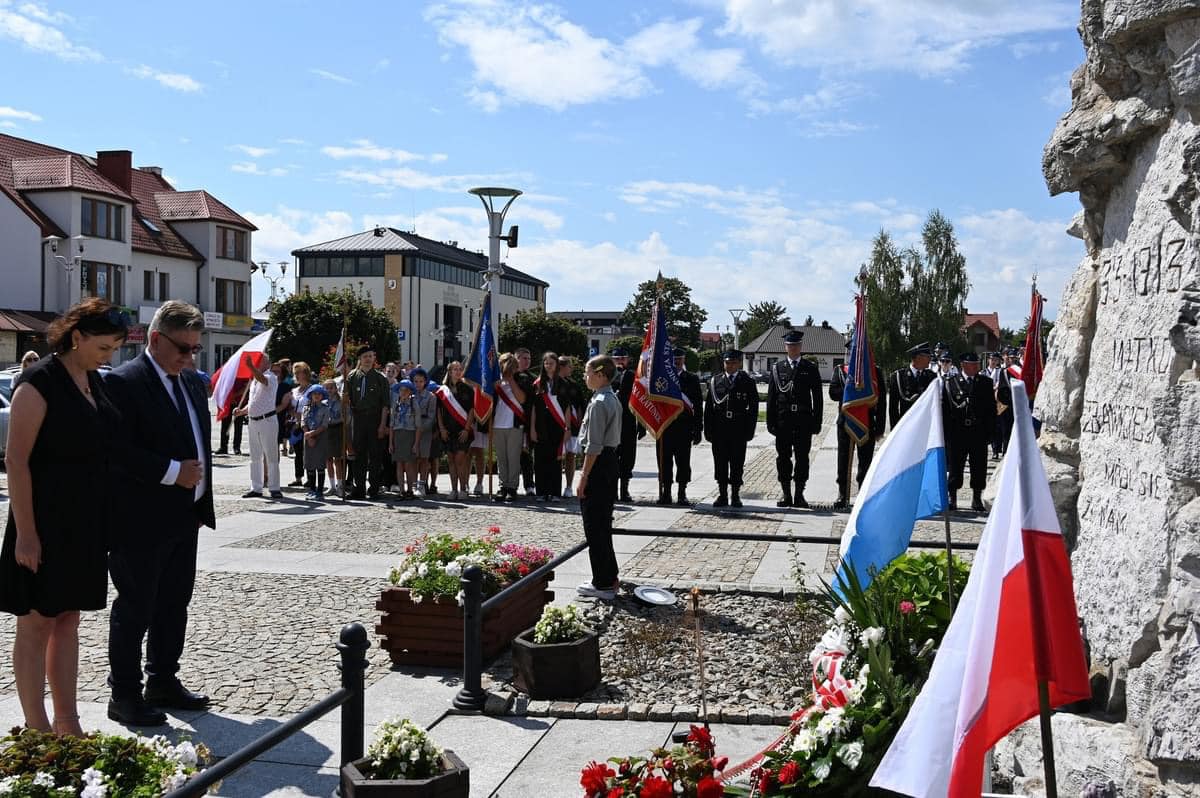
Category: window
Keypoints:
(104, 280)
(164, 286)
(100, 219)
(148, 286)
(231, 244)
(231, 297)
(522, 290)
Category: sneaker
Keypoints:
(568, 493)
(419, 489)
(591, 591)
(311, 496)
(511, 496)
(478, 489)
(252, 494)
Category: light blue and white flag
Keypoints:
(906, 482)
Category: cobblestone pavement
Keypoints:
(935, 530)
(257, 644)
(761, 479)
(676, 559)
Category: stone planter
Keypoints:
(454, 782)
(431, 632)
(555, 670)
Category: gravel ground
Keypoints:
(755, 651)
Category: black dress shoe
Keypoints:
(135, 712)
(800, 501)
(176, 697)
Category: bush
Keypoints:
(403, 750)
(559, 625)
(435, 565)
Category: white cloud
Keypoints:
(928, 37)
(333, 76)
(251, 168)
(284, 229)
(171, 80)
(1058, 91)
(7, 112)
(1024, 49)
(413, 179)
(678, 43)
(382, 63)
(6, 123)
(37, 28)
(252, 151)
(365, 148)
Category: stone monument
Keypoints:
(1121, 404)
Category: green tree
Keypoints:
(539, 333)
(886, 303)
(630, 343)
(808, 320)
(938, 285)
(684, 317)
(306, 325)
(761, 317)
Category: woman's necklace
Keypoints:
(85, 387)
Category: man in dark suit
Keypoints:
(793, 417)
(969, 410)
(675, 445)
(905, 385)
(730, 418)
(866, 449)
(164, 488)
(622, 386)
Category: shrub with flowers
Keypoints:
(868, 667)
(37, 764)
(691, 770)
(559, 625)
(434, 564)
(403, 750)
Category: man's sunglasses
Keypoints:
(184, 349)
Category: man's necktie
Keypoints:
(362, 387)
(181, 406)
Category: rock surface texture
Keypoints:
(1121, 400)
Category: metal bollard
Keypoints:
(353, 645)
(472, 695)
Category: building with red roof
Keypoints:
(73, 226)
(982, 331)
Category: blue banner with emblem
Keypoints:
(861, 393)
(656, 399)
(482, 365)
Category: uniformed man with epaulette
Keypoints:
(905, 385)
(942, 354)
(675, 444)
(730, 418)
(793, 417)
(969, 410)
(622, 386)
(866, 450)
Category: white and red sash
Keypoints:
(506, 396)
(556, 413)
(452, 406)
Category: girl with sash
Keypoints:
(548, 431)
(571, 398)
(456, 427)
(508, 427)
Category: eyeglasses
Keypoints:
(184, 349)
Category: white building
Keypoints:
(822, 343)
(142, 243)
(432, 290)
(601, 326)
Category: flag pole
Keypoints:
(946, 518)
(1047, 739)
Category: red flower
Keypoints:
(764, 780)
(616, 792)
(703, 740)
(495, 530)
(708, 787)
(523, 569)
(907, 607)
(594, 778)
(789, 773)
(655, 787)
(719, 763)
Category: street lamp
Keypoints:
(68, 261)
(490, 196)
(264, 268)
(737, 323)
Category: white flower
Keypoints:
(833, 723)
(805, 742)
(6, 784)
(864, 672)
(422, 569)
(454, 568)
(417, 598)
(851, 754)
(66, 790)
(820, 768)
(840, 615)
(175, 780)
(41, 779)
(836, 640)
(461, 598)
(92, 776)
(855, 693)
(872, 634)
(185, 753)
(94, 791)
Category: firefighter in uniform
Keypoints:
(730, 418)
(969, 410)
(793, 417)
(675, 445)
(905, 385)
(866, 450)
(622, 386)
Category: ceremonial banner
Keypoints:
(1033, 361)
(341, 363)
(860, 393)
(235, 368)
(656, 399)
(482, 368)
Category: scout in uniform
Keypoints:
(969, 410)
(730, 418)
(622, 386)
(866, 450)
(367, 395)
(675, 445)
(905, 385)
(793, 417)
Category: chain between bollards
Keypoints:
(472, 695)
(352, 645)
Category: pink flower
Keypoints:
(907, 607)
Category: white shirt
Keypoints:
(503, 414)
(174, 466)
(262, 397)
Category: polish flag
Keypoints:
(235, 368)
(1016, 626)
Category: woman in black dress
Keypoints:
(54, 559)
(456, 427)
(548, 430)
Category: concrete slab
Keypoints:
(491, 747)
(552, 767)
(272, 780)
(420, 694)
(739, 743)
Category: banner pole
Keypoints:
(1047, 739)
(946, 518)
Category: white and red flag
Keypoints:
(1015, 626)
(341, 363)
(235, 369)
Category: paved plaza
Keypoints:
(279, 578)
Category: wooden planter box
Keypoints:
(555, 670)
(455, 782)
(431, 632)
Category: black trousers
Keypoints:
(527, 466)
(154, 580)
(368, 453)
(298, 460)
(547, 468)
(238, 423)
(729, 459)
(627, 454)
(674, 458)
(791, 457)
(967, 447)
(596, 507)
(1004, 425)
(863, 457)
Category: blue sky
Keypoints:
(750, 147)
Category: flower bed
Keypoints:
(35, 764)
(691, 770)
(404, 762)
